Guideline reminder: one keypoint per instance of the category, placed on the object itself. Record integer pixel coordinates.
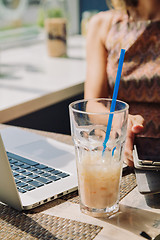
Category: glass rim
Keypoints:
(98, 113)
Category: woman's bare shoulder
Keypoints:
(102, 18)
(102, 21)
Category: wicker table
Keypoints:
(61, 218)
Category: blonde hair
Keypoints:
(122, 4)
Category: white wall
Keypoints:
(73, 7)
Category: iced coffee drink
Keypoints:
(99, 180)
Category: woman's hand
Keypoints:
(135, 125)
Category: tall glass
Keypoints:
(99, 173)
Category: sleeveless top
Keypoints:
(140, 79)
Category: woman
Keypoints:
(135, 26)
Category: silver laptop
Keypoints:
(34, 169)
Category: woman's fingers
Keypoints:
(137, 129)
(128, 157)
(135, 125)
(137, 122)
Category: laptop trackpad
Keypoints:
(46, 152)
(41, 149)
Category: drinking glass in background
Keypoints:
(99, 173)
(54, 16)
(56, 36)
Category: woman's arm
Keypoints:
(135, 126)
(96, 84)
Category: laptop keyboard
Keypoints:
(30, 175)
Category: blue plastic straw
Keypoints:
(113, 104)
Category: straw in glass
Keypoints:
(113, 104)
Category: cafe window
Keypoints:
(19, 20)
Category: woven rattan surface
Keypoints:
(16, 225)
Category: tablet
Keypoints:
(146, 153)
